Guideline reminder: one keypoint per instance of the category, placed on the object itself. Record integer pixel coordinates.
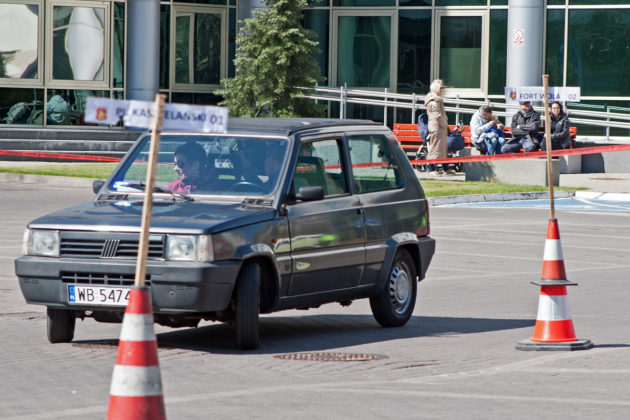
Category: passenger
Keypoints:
(560, 137)
(190, 165)
(525, 125)
(438, 127)
(486, 132)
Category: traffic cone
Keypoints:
(136, 388)
(554, 327)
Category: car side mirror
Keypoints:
(97, 184)
(310, 193)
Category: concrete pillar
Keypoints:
(143, 49)
(526, 29)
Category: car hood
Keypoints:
(167, 216)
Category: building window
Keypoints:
(363, 49)
(598, 53)
(21, 106)
(79, 43)
(317, 21)
(198, 47)
(20, 42)
(498, 51)
(461, 47)
(554, 62)
(414, 50)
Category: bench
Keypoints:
(410, 140)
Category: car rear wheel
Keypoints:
(394, 305)
(60, 325)
(248, 307)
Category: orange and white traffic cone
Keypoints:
(554, 327)
(136, 388)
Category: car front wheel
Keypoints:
(60, 325)
(248, 307)
(394, 305)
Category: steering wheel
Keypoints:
(245, 186)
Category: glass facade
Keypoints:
(54, 53)
(414, 50)
(460, 51)
(78, 43)
(19, 41)
(363, 51)
(599, 59)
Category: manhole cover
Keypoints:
(331, 357)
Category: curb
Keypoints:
(61, 181)
(482, 198)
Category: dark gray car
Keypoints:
(276, 214)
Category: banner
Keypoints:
(536, 94)
(140, 114)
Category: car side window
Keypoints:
(319, 164)
(373, 165)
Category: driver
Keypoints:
(190, 164)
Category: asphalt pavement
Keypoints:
(455, 359)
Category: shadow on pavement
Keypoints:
(325, 332)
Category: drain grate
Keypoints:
(331, 357)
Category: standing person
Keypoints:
(525, 125)
(438, 127)
(559, 127)
(486, 133)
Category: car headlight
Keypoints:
(44, 243)
(189, 248)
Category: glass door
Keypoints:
(460, 50)
(364, 48)
(198, 47)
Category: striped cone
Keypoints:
(136, 388)
(554, 327)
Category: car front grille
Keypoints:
(108, 279)
(107, 245)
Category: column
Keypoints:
(143, 49)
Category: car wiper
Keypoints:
(141, 186)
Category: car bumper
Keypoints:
(176, 287)
(426, 247)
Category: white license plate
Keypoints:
(98, 295)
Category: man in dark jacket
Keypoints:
(525, 125)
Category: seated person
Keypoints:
(190, 166)
(486, 132)
(57, 109)
(559, 127)
(525, 125)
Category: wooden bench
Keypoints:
(410, 140)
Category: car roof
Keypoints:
(286, 126)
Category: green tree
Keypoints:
(273, 59)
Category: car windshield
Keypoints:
(207, 164)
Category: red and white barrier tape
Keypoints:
(54, 155)
(528, 155)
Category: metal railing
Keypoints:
(612, 117)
